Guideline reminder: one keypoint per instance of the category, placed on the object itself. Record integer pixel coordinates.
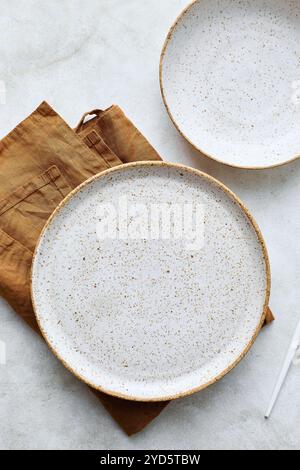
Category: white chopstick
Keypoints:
(286, 365)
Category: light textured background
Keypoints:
(78, 56)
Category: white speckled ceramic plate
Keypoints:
(147, 318)
(230, 79)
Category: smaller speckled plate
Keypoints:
(157, 314)
(230, 79)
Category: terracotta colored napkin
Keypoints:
(41, 161)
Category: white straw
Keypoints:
(286, 365)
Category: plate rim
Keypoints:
(196, 147)
(265, 255)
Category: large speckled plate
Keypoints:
(145, 317)
(230, 79)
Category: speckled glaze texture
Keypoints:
(230, 79)
(150, 319)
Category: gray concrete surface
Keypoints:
(82, 55)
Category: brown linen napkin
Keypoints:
(41, 161)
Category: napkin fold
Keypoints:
(41, 161)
